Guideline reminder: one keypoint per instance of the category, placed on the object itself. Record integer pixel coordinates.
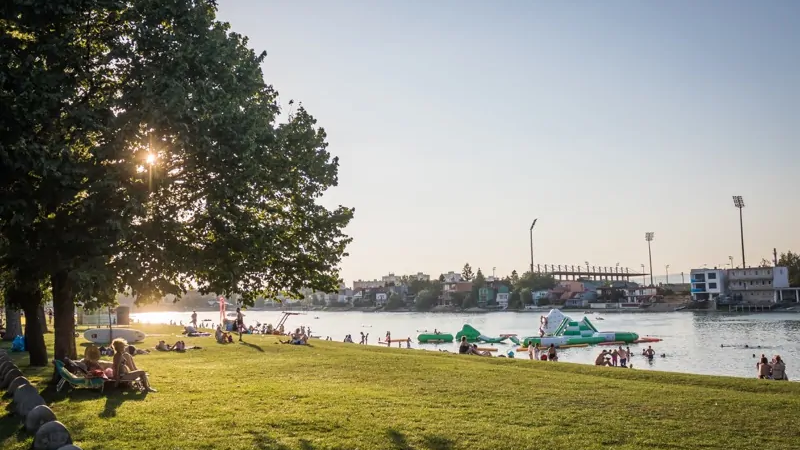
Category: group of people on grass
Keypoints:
(771, 370)
(122, 368)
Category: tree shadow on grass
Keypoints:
(257, 347)
(262, 441)
(400, 442)
(116, 398)
(11, 425)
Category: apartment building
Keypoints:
(757, 284)
(367, 284)
(398, 279)
(707, 284)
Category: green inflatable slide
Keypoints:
(474, 335)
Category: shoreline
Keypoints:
(659, 308)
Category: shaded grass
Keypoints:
(262, 395)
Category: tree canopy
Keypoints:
(792, 262)
(141, 151)
(466, 272)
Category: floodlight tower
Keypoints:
(648, 236)
(739, 203)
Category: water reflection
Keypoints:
(706, 343)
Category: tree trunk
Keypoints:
(34, 339)
(42, 319)
(64, 316)
(13, 323)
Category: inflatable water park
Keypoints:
(555, 328)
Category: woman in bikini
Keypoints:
(124, 367)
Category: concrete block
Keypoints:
(51, 436)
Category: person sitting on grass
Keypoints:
(297, 338)
(124, 367)
(601, 359)
(464, 346)
(164, 347)
(473, 350)
(778, 369)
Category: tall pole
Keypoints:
(644, 280)
(667, 268)
(741, 233)
(532, 225)
(739, 203)
(650, 254)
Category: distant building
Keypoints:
(397, 279)
(488, 295)
(757, 284)
(367, 284)
(640, 294)
(381, 298)
(452, 277)
(419, 276)
(572, 286)
(502, 299)
(707, 284)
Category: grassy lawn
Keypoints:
(262, 395)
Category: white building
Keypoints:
(367, 284)
(707, 284)
(640, 294)
(757, 284)
(452, 277)
(502, 299)
(381, 298)
(419, 276)
(391, 279)
(397, 279)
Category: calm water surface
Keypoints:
(691, 340)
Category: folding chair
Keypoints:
(75, 381)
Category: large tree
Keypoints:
(22, 292)
(535, 282)
(162, 164)
(466, 272)
(792, 262)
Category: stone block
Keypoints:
(15, 383)
(37, 417)
(51, 436)
(9, 377)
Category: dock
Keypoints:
(750, 307)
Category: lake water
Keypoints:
(691, 340)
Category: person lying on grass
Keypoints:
(473, 350)
(179, 346)
(137, 351)
(124, 367)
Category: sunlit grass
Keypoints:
(262, 395)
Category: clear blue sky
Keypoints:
(458, 122)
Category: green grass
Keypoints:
(342, 396)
